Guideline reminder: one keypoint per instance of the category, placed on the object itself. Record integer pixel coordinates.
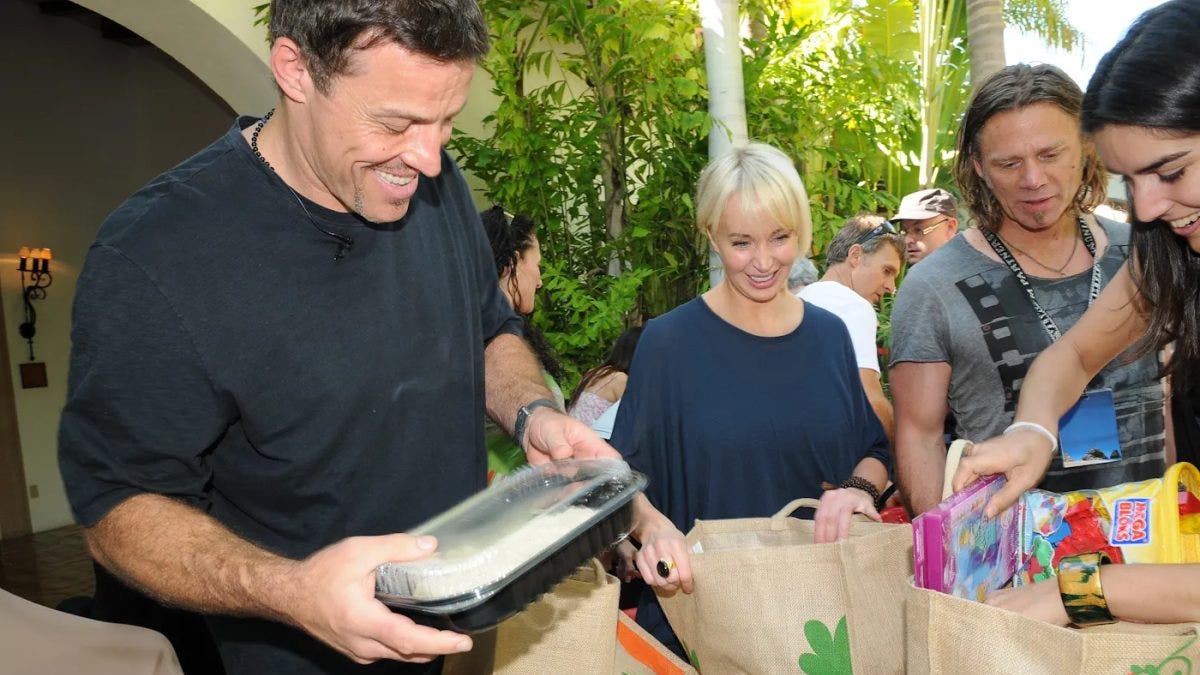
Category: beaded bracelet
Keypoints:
(864, 485)
(1082, 594)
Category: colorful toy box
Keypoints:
(1152, 521)
(957, 551)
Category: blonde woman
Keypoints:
(746, 397)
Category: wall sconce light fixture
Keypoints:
(34, 267)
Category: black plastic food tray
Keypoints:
(531, 584)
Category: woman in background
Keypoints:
(518, 257)
(602, 386)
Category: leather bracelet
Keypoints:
(523, 414)
(864, 485)
(1082, 594)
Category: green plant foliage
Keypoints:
(599, 135)
(587, 318)
(1045, 18)
(601, 126)
(601, 131)
(838, 104)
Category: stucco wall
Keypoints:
(214, 39)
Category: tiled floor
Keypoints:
(47, 567)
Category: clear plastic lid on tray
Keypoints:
(507, 530)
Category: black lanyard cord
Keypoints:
(1048, 324)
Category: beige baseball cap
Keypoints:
(927, 204)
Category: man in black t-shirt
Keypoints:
(283, 349)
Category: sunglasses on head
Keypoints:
(886, 227)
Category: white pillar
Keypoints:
(726, 91)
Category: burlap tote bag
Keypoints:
(769, 600)
(638, 653)
(572, 629)
(951, 635)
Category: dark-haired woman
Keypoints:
(602, 386)
(1142, 110)
(518, 257)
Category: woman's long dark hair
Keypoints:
(510, 238)
(618, 360)
(1152, 79)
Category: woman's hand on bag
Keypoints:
(832, 520)
(664, 549)
(1022, 456)
(1040, 601)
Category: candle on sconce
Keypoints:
(34, 266)
(34, 259)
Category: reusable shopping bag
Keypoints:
(1156, 520)
(576, 628)
(570, 630)
(950, 635)
(769, 600)
(638, 653)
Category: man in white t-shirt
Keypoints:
(862, 263)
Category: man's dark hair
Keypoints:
(1012, 88)
(1151, 79)
(329, 31)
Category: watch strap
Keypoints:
(523, 414)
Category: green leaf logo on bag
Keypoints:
(831, 653)
(691, 655)
(1176, 660)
